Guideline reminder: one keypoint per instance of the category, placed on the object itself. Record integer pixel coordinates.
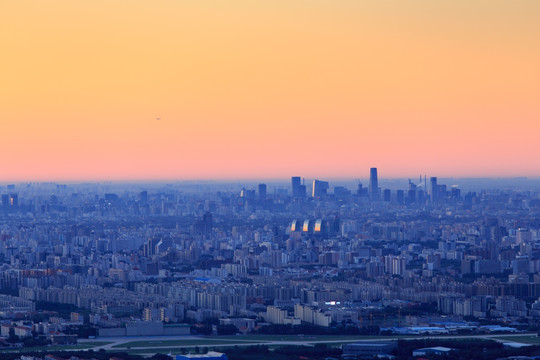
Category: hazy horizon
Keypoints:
(466, 184)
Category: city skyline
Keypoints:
(172, 90)
(128, 262)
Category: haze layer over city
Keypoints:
(285, 180)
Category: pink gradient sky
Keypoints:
(266, 89)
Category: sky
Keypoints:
(230, 89)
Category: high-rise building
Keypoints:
(400, 197)
(247, 193)
(14, 200)
(387, 195)
(319, 188)
(374, 193)
(5, 201)
(262, 192)
(433, 189)
(298, 189)
(523, 236)
(455, 192)
(296, 182)
(143, 197)
(207, 221)
(204, 225)
(302, 191)
(149, 248)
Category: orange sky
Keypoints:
(268, 89)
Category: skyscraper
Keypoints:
(373, 185)
(433, 189)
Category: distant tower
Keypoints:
(373, 185)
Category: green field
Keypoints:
(187, 342)
(310, 338)
(241, 340)
(176, 350)
(329, 344)
(306, 338)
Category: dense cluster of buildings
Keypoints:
(266, 254)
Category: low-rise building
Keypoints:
(366, 349)
(211, 355)
(438, 350)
